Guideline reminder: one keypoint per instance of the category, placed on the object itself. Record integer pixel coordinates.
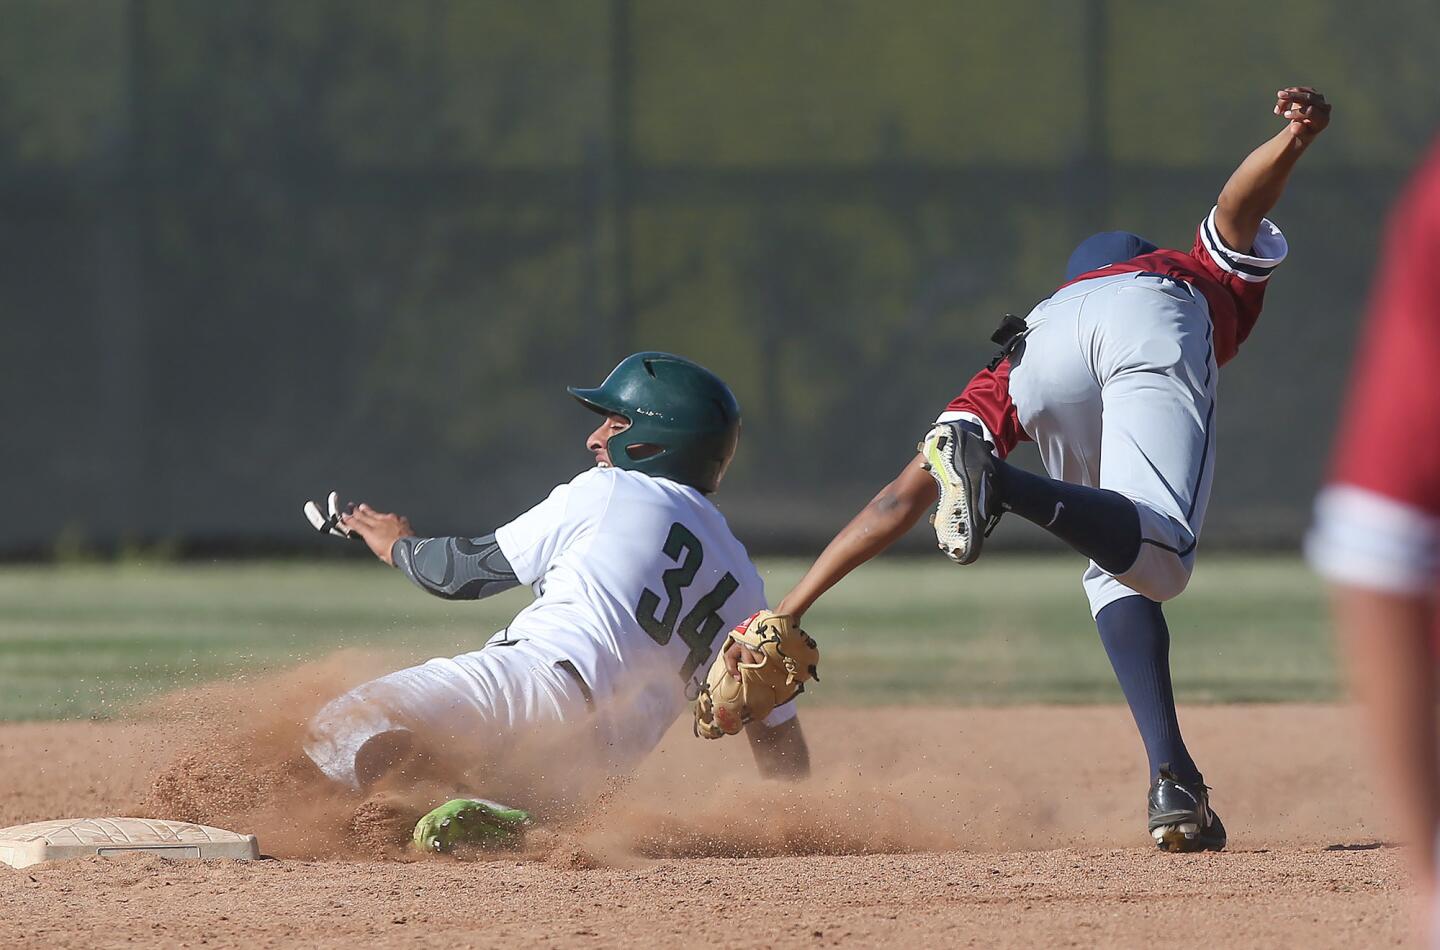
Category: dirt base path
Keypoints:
(961, 827)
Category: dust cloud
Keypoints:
(238, 764)
(884, 781)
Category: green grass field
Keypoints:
(85, 641)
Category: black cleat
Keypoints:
(964, 470)
(1180, 815)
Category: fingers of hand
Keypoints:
(732, 662)
(364, 514)
(321, 522)
(737, 654)
(1302, 104)
(1304, 95)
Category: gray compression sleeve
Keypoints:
(455, 568)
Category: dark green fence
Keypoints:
(254, 250)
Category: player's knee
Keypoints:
(348, 735)
(382, 754)
(1162, 568)
(1166, 585)
(1159, 575)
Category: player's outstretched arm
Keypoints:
(780, 751)
(1258, 183)
(451, 568)
(879, 524)
(455, 568)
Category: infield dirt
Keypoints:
(921, 826)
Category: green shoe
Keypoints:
(470, 821)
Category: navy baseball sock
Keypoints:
(1138, 641)
(1101, 524)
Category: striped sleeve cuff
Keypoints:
(1254, 268)
(1368, 540)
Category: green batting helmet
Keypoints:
(684, 420)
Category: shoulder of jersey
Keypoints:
(619, 479)
(612, 479)
(596, 474)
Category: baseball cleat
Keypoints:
(474, 821)
(964, 470)
(1180, 815)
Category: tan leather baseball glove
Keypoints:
(788, 658)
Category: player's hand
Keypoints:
(1306, 110)
(328, 523)
(380, 530)
(737, 653)
(785, 659)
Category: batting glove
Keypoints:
(330, 524)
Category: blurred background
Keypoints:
(256, 250)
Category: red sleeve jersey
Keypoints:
(986, 400)
(1378, 520)
(1232, 283)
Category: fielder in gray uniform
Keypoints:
(1115, 378)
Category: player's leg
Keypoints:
(1082, 420)
(975, 488)
(1119, 371)
(1091, 404)
(1155, 360)
(1178, 813)
(455, 712)
(1101, 524)
(1137, 640)
(453, 719)
(1061, 395)
(447, 718)
(1157, 368)
(1060, 403)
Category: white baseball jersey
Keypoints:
(636, 581)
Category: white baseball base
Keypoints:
(24, 845)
